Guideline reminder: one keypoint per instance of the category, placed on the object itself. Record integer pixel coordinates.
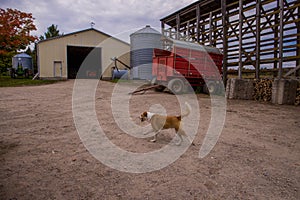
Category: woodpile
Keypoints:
(297, 101)
(262, 89)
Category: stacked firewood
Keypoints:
(262, 90)
(297, 101)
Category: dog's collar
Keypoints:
(149, 115)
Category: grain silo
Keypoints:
(142, 43)
(23, 60)
(21, 65)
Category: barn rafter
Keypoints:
(251, 33)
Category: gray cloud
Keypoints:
(110, 16)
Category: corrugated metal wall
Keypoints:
(142, 43)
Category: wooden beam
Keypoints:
(298, 38)
(240, 38)
(225, 40)
(177, 27)
(281, 14)
(162, 26)
(257, 62)
(262, 47)
(291, 71)
(276, 31)
(188, 31)
(198, 23)
(210, 29)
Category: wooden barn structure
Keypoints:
(251, 33)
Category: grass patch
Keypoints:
(7, 81)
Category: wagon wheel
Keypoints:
(26, 73)
(176, 86)
(160, 88)
(211, 87)
(12, 73)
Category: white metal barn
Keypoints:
(89, 50)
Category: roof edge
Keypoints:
(81, 31)
(180, 10)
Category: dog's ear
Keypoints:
(145, 114)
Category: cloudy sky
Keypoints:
(115, 17)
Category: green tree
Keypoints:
(52, 31)
(32, 53)
(15, 28)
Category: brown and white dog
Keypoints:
(160, 122)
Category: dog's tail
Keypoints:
(188, 110)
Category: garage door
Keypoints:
(84, 62)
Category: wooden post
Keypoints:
(225, 42)
(281, 5)
(257, 62)
(210, 29)
(298, 41)
(240, 38)
(188, 31)
(276, 30)
(177, 26)
(198, 23)
(215, 36)
(162, 26)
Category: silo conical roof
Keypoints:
(22, 55)
(145, 30)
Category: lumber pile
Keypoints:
(262, 90)
(297, 101)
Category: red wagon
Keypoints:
(185, 63)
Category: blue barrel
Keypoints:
(119, 74)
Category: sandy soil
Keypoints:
(42, 157)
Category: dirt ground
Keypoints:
(42, 157)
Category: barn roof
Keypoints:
(81, 31)
(188, 12)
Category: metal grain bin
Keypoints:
(23, 60)
(142, 43)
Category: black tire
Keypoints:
(160, 88)
(176, 86)
(26, 73)
(12, 73)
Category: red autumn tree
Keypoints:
(15, 27)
